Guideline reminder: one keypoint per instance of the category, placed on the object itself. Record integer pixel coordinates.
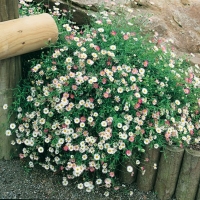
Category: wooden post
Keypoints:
(10, 73)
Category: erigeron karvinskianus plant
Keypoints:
(101, 92)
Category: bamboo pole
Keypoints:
(26, 35)
(10, 73)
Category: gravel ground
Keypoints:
(16, 182)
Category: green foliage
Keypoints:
(101, 94)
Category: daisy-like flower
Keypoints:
(99, 181)
(40, 149)
(144, 91)
(68, 60)
(106, 193)
(90, 62)
(120, 89)
(80, 186)
(8, 133)
(29, 98)
(42, 121)
(12, 126)
(177, 102)
(104, 124)
(96, 156)
(65, 182)
(146, 141)
(90, 119)
(129, 169)
(101, 30)
(113, 47)
(5, 106)
(84, 157)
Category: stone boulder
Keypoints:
(177, 20)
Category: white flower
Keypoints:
(132, 78)
(68, 60)
(104, 124)
(177, 102)
(120, 89)
(40, 149)
(129, 169)
(76, 120)
(84, 157)
(65, 182)
(80, 186)
(12, 126)
(101, 30)
(106, 193)
(5, 106)
(90, 119)
(113, 47)
(156, 146)
(137, 162)
(99, 181)
(146, 141)
(8, 132)
(42, 121)
(144, 91)
(96, 156)
(82, 124)
(119, 125)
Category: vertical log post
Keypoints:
(168, 171)
(10, 73)
(189, 176)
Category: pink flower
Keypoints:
(131, 139)
(95, 85)
(91, 99)
(21, 155)
(72, 96)
(61, 168)
(97, 48)
(126, 37)
(145, 63)
(186, 90)
(134, 71)
(102, 73)
(137, 105)
(128, 152)
(83, 119)
(106, 95)
(140, 101)
(113, 32)
(46, 130)
(92, 169)
(104, 80)
(74, 87)
(65, 148)
(112, 174)
(114, 69)
(188, 80)
(191, 75)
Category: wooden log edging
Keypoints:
(27, 34)
(189, 177)
(145, 182)
(168, 172)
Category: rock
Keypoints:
(177, 20)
